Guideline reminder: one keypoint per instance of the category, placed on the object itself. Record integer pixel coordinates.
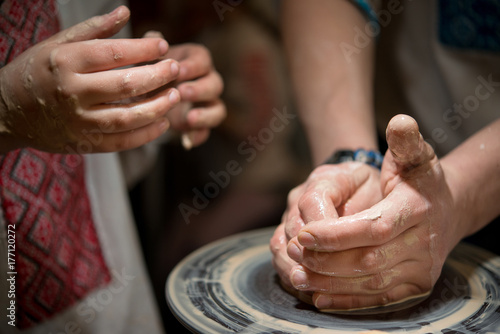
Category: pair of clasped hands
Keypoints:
(354, 238)
(123, 93)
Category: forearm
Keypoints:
(333, 91)
(473, 174)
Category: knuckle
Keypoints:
(127, 87)
(114, 51)
(293, 194)
(381, 232)
(56, 59)
(292, 227)
(308, 199)
(64, 93)
(371, 260)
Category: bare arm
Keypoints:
(333, 92)
(473, 173)
(398, 246)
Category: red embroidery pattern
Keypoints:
(58, 256)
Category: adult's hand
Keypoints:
(329, 192)
(392, 251)
(77, 87)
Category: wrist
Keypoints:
(370, 157)
(469, 212)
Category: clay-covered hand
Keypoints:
(200, 87)
(73, 92)
(329, 192)
(392, 251)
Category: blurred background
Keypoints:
(244, 39)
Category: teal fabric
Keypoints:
(470, 24)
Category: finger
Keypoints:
(116, 118)
(281, 262)
(382, 281)
(126, 83)
(206, 88)
(115, 142)
(363, 260)
(102, 55)
(317, 202)
(291, 217)
(293, 224)
(194, 138)
(330, 187)
(406, 144)
(97, 27)
(375, 226)
(406, 294)
(207, 115)
(367, 195)
(195, 61)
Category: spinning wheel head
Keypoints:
(230, 286)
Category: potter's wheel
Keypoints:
(230, 286)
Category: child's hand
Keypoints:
(200, 87)
(66, 94)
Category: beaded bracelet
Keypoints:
(372, 158)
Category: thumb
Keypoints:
(103, 26)
(406, 144)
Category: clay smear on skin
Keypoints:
(402, 216)
(433, 231)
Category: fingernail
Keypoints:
(163, 46)
(186, 140)
(299, 279)
(306, 239)
(294, 252)
(323, 301)
(173, 96)
(174, 68)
